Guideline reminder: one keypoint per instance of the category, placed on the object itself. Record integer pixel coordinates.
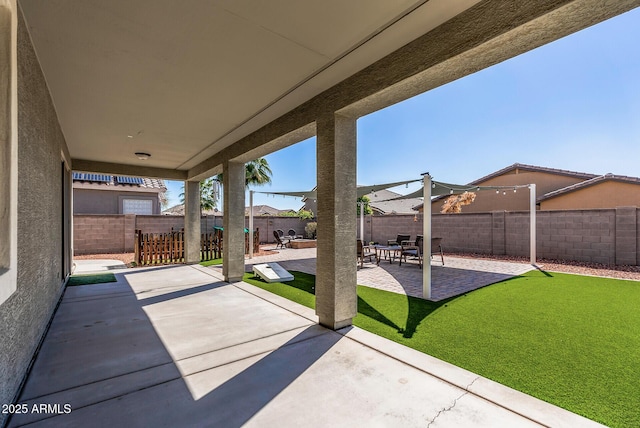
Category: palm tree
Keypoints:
(256, 172)
(208, 194)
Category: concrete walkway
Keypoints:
(176, 346)
(82, 267)
(458, 276)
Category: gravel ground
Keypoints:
(579, 268)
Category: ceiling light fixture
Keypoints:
(142, 155)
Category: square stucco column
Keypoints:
(336, 299)
(192, 221)
(233, 235)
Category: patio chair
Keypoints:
(280, 242)
(365, 251)
(292, 234)
(398, 240)
(414, 250)
(280, 233)
(436, 248)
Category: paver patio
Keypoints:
(458, 276)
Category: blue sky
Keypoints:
(573, 104)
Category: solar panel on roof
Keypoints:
(129, 180)
(101, 178)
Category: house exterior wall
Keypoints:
(489, 200)
(92, 201)
(607, 194)
(40, 276)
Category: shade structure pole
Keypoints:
(250, 224)
(532, 223)
(361, 221)
(426, 233)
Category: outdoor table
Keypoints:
(387, 250)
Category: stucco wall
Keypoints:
(24, 316)
(91, 201)
(489, 200)
(602, 195)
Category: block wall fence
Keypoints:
(608, 236)
(106, 233)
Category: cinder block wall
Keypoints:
(609, 236)
(267, 224)
(581, 235)
(103, 233)
(115, 233)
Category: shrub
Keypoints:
(310, 229)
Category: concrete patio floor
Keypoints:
(177, 346)
(456, 277)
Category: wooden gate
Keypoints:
(168, 248)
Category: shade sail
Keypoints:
(360, 190)
(439, 188)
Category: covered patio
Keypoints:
(179, 346)
(184, 92)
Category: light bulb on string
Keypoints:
(497, 192)
(504, 193)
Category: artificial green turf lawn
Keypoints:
(573, 341)
(212, 262)
(98, 278)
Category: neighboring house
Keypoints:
(604, 191)
(261, 210)
(116, 194)
(258, 210)
(380, 203)
(556, 189)
(179, 210)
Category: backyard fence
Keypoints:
(168, 248)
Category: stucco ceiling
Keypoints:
(183, 80)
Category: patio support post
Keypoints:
(336, 299)
(233, 234)
(532, 223)
(250, 224)
(426, 242)
(192, 222)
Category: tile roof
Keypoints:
(118, 180)
(533, 168)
